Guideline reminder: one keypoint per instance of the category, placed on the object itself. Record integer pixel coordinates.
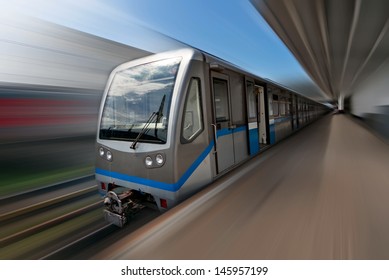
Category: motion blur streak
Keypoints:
(51, 82)
(14, 112)
(52, 78)
(29, 113)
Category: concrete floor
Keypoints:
(321, 194)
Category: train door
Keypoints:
(224, 138)
(256, 116)
(262, 123)
(296, 112)
(252, 118)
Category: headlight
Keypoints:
(159, 159)
(101, 151)
(109, 156)
(148, 161)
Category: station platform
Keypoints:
(323, 193)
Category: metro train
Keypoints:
(173, 122)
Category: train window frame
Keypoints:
(191, 114)
(134, 83)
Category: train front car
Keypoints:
(151, 134)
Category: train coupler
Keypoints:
(120, 208)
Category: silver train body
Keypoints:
(173, 122)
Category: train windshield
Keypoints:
(138, 102)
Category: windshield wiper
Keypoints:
(159, 114)
(106, 132)
(154, 115)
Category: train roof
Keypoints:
(223, 63)
(215, 62)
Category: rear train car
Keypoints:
(173, 122)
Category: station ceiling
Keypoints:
(339, 43)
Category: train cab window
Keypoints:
(192, 124)
(138, 102)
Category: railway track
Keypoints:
(9, 199)
(63, 221)
(68, 250)
(36, 221)
(90, 246)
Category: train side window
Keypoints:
(252, 103)
(275, 105)
(192, 123)
(221, 100)
(282, 106)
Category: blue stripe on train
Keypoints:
(228, 131)
(253, 141)
(172, 187)
(272, 133)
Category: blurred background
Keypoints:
(51, 82)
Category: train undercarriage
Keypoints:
(122, 204)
